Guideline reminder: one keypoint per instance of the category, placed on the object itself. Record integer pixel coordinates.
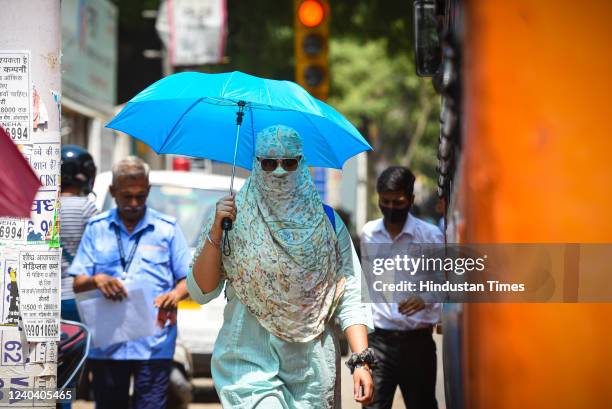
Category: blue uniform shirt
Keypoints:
(161, 259)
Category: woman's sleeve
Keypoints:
(351, 311)
(194, 289)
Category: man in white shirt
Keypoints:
(402, 339)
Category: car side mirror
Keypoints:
(426, 38)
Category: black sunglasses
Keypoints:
(270, 165)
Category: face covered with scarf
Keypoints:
(285, 258)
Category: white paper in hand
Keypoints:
(112, 322)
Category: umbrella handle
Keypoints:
(226, 224)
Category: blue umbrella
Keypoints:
(201, 115)
(195, 114)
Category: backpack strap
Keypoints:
(330, 215)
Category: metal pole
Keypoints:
(231, 190)
(227, 223)
(239, 116)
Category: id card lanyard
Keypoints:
(125, 264)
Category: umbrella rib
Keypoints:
(223, 102)
(259, 106)
(177, 123)
(219, 102)
(227, 83)
(252, 129)
(229, 102)
(268, 94)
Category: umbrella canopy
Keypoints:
(194, 114)
(18, 182)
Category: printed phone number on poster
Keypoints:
(11, 232)
(17, 133)
(41, 330)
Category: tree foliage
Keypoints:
(371, 61)
(373, 79)
(372, 87)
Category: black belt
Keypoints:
(404, 333)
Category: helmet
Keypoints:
(78, 168)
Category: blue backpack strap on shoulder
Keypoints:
(330, 215)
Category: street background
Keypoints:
(365, 59)
(347, 388)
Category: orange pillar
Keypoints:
(537, 167)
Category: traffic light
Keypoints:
(311, 46)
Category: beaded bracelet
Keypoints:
(359, 359)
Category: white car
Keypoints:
(190, 197)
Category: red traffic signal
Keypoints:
(311, 13)
(311, 46)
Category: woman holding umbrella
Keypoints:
(291, 270)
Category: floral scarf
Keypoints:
(285, 257)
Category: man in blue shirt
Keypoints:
(137, 244)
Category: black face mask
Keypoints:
(394, 215)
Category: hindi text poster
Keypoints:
(40, 226)
(39, 294)
(15, 94)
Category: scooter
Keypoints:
(73, 348)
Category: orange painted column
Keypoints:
(537, 167)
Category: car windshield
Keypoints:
(191, 206)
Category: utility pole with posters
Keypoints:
(30, 112)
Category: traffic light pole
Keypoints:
(311, 30)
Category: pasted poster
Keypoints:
(45, 159)
(28, 372)
(9, 263)
(24, 367)
(25, 390)
(36, 230)
(15, 94)
(16, 350)
(40, 225)
(13, 230)
(44, 156)
(38, 279)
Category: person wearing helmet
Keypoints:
(78, 175)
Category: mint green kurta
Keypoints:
(252, 368)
